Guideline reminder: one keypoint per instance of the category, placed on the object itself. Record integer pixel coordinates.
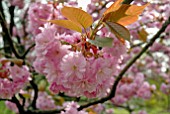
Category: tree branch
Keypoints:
(23, 99)
(27, 51)
(11, 11)
(7, 36)
(33, 104)
(5, 99)
(19, 106)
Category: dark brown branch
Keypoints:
(33, 104)
(137, 45)
(27, 51)
(11, 11)
(5, 99)
(19, 106)
(23, 99)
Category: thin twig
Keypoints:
(7, 36)
(27, 51)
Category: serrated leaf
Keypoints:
(115, 6)
(67, 24)
(123, 14)
(119, 30)
(77, 16)
(119, 16)
(127, 20)
(143, 34)
(102, 42)
(136, 10)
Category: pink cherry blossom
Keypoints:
(19, 3)
(45, 102)
(165, 88)
(36, 12)
(73, 65)
(17, 80)
(144, 91)
(71, 108)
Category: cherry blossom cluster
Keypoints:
(76, 73)
(133, 86)
(12, 79)
(39, 11)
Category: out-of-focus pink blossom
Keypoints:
(165, 88)
(36, 12)
(71, 108)
(16, 80)
(19, 3)
(45, 101)
(144, 91)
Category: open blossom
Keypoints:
(36, 12)
(103, 69)
(117, 50)
(73, 65)
(85, 85)
(42, 40)
(45, 101)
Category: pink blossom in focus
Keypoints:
(73, 65)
